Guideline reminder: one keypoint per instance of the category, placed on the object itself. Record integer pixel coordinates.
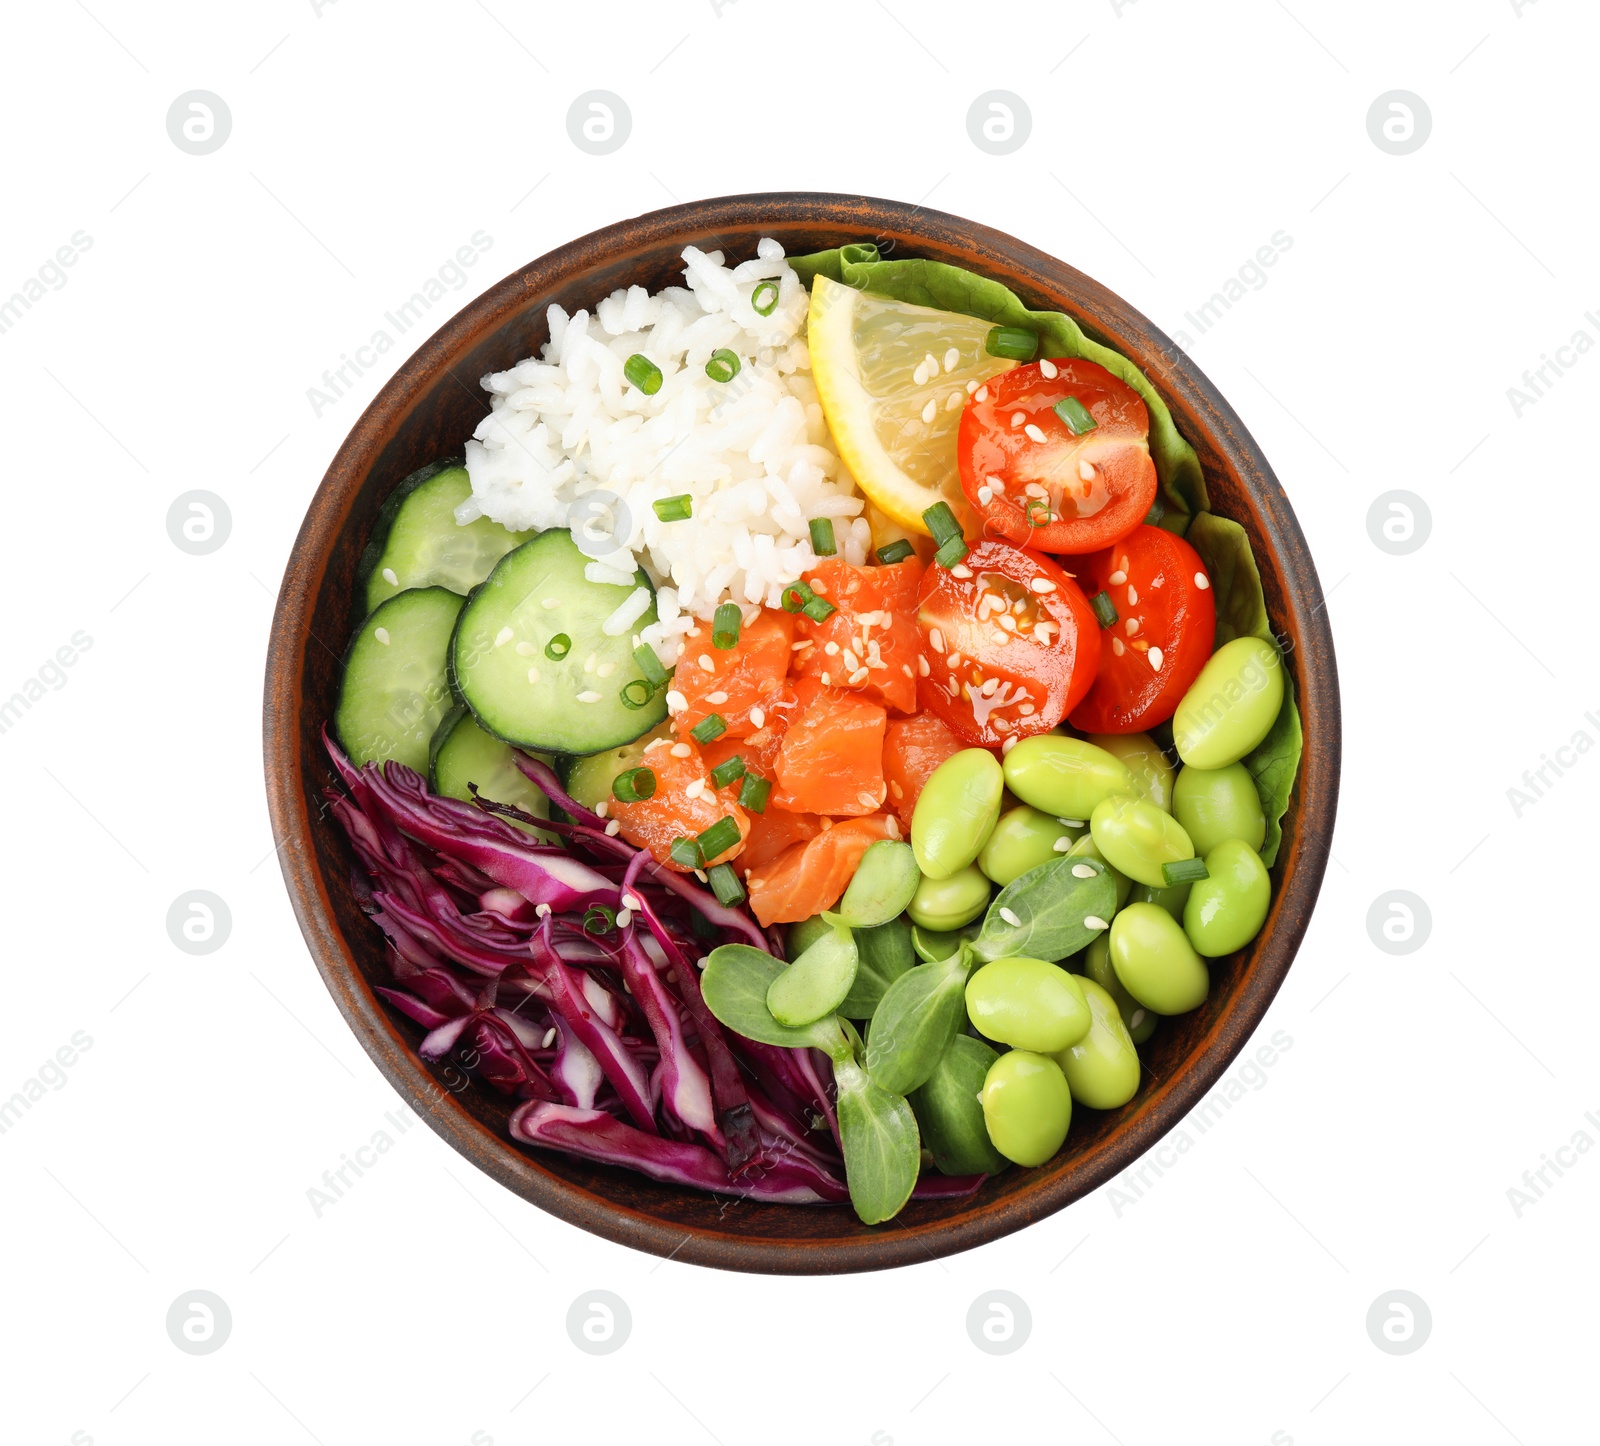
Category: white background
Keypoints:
(1228, 1304)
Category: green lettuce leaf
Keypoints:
(1235, 583)
(1273, 764)
(950, 288)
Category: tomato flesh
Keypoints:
(912, 749)
(1166, 623)
(872, 637)
(1009, 641)
(1086, 491)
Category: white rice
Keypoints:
(753, 454)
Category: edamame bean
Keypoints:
(1172, 898)
(1027, 1107)
(956, 812)
(1231, 706)
(1137, 1020)
(1226, 910)
(1023, 839)
(1085, 848)
(1140, 755)
(948, 1112)
(1029, 1004)
(882, 885)
(1102, 1068)
(1064, 776)
(1214, 804)
(804, 934)
(946, 904)
(1137, 838)
(1155, 961)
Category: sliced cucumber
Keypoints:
(463, 753)
(396, 687)
(588, 780)
(530, 659)
(417, 541)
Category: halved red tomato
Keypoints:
(1009, 644)
(1040, 483)
(1166, 624)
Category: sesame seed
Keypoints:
(931, 362)
(602, 808)
(954, 660)
(1079, 871)
(382, 635)
(656, 743)
(1133, 595)
(605, 670)
(867, 800)
(1094, 921)
(503, 637)
(624, 918)
(702, 876)
(857, 677)
(1033, 433)
(705, 662)
(758, 718)
(985, 496)
(1116, 647)
(1048, 368)
(1018, 418)
(920, 376)
(951, 359)
(676, 702)
(906, 669)
(930, 411)
(897, 791)
(827, 680)
(391, 577)
(1155, 658)
(1085, 469)
(1007, 746)
(525, 649)
(850, 660)
(922, 666)
(1061, 845)
(549, 1034)
(1009, 623)
(981, 395)
(953, 688)
(935, 639)
(1042, 585)
(953, 401)
(803, 643)
(1071, 822)
(1117, 578)
(717, 699)
(1131, 626)
(542, 910)
(681, 750)
(695, 789)
(1201, 581)
(1009, 915)
(972, 386)
(893, 827)
(999, 636)
(998, 484)
(613, 829)
(551, 602)
(831, 649)
(819, 586)
(533, 675)
(1033, 489)
(588, 696)
(962, 571)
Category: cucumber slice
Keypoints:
(569, 702)
(417, 541)
(463, 753)
(395, 687)
(588, 780)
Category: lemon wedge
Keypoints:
(893, 379)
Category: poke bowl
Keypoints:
(802, 733)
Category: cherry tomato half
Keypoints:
(1166, 624)
(1009, 643)
(1037, 483)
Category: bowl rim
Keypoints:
(1302, 863)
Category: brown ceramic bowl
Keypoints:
(427, 411)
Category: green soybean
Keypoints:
(946, 904)
(956, 811)
(1171, 897)
(882, 885)
(1102, 1068)
(1231, 706)
(804, 934)
(1023, 839)
(1226, 910)
(1143, 758)
(1137, 838)
(1085, 848)
(1027, 1107)
(1064, 776)
(1137, 1020)
(1028, 1004)
(1155, 961)
(816, 984)
(949, 1115)
(1215, 804)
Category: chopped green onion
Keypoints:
(675, 509)
(796, 596)
(726, 886)
(710, 728)
(897, 551)
(1104, 609)
(1157, 511)
(723, 366)
(643, 373)
(861, 251)
(636, 693)
(650, 665)
(1014, 342)
(685, 852)
(941, 522)
(725, 626)
(1185, 871)
(731, 771)
(634, 785)
(1039, 505)
(951, 552)
(1077, 416)
(822, 542)
(819, 609)
(558, 647)
(719, 838)
(764, 299)
(753, 792)
(599, 919)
